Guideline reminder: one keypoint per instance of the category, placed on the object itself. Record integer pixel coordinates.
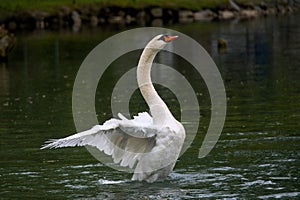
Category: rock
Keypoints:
(222, 43)
(204, 15)
(156, 12)
(63, 18)
(121, 13)
(185, 16)
(40, 17)
(94, 21)
(76, 20)
(289, 9)
(157, 23)
(226, 15)
(3, 31)
(129, 19)
(141, 18)
(116, 20)
(7, 42)
(271, 10)
(65, 10)
(281, 9)
(248, 14)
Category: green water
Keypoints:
(257, 155)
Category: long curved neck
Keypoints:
(158, 108)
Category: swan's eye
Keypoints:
(167, 38)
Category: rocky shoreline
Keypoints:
(94, 16)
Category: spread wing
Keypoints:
(125, 140)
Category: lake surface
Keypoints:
(257, 155)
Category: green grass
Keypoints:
(51, 5)
(8, 6)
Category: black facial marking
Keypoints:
(163, 37)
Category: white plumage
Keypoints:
(148, 144)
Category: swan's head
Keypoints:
(160, 41)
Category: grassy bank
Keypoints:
(52, 5)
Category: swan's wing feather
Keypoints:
(125, 140)
(79, 139)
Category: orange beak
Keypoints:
(170, 38)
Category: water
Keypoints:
(257, 155)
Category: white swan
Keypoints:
(149, 145)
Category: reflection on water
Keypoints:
(257, 155)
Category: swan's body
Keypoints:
(149, 145)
